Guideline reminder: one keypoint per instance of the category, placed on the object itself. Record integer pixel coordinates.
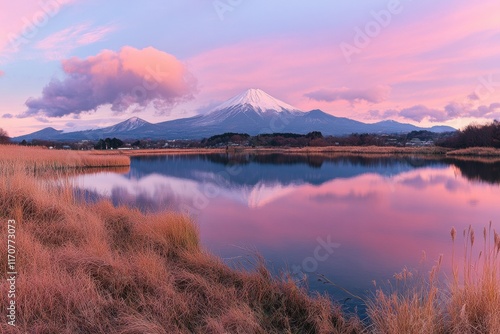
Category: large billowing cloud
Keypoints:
(375, 94)
(123, 79)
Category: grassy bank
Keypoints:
(376, 150)
(94, 268)
(476, 152)
(38, 159)
(467, 302)
(356, 150)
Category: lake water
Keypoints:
(352, 219)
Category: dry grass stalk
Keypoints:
(39, 159)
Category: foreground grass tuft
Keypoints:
(40, 159)
(468, 303)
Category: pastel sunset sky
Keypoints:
(80, 64)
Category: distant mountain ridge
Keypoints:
(253, 112)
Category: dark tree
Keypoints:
(4, 137)
(101, 145)
(314, 135)
(475, 135)
(225, 139)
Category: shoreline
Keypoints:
(438, 152)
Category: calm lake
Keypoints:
(353, 219)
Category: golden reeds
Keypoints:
(469, 303)
(38, 159)
(474, 301)
(476, 151)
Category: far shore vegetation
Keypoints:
(472, 137)
(96, 268)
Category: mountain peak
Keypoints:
(258, 99)
(135, 120)
(130, 124)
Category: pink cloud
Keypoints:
(375, 94)
(1, 73)
(130, 77)
(58, 45)
(419, 112)
(452, 110)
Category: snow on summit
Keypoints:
(129, 124)
(258, 99)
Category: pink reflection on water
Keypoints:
(382, 223)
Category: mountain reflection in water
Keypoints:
(187, 182)
(382, 211)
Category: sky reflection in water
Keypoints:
(383, 212)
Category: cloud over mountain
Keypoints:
(130, 77)
(452, 110)
(375, 94)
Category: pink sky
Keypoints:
(426, 64)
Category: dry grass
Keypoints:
(39, 159)
(379, 150)
(409, 307)
(474, 304)
(95, 268)
(168, 151)
(470, 303)
(476, 152)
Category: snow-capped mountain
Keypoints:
(252, 112)
(128, 125)
(259, 100)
